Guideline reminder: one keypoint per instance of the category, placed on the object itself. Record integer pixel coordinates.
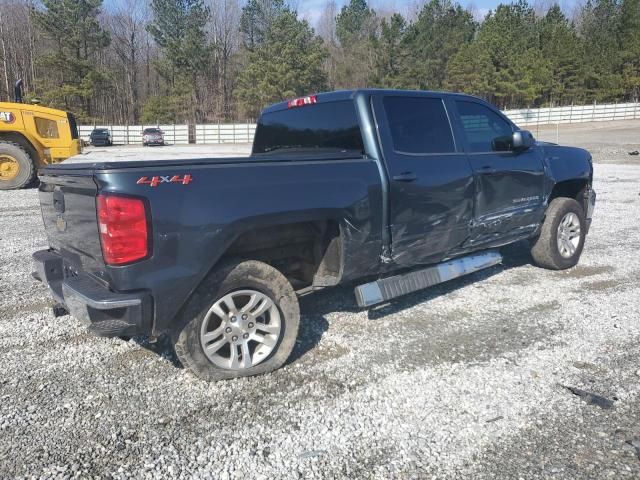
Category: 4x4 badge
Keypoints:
(155, 181)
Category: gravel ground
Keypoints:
(464, 380)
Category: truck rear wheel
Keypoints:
(241, 321)
(17, 169)
(562, 235)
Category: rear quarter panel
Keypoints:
(194, 224)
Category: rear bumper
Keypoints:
(106, 313)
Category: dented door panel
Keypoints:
(430, 194)
(509, 192)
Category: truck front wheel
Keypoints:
(562, 235)
(241, 321)
(17, 169)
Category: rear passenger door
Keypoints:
(509, 185)
(430, 179)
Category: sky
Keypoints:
(312, 9)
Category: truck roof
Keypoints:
(340, 95)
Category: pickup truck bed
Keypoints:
(340, 187)
(130, 153)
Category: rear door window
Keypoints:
(320, 128)
(418, 125)
(485, 130)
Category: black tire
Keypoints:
(26, 167)
(545, 251)
(230, 277)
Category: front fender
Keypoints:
(567, 163)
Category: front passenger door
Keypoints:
(508, 184)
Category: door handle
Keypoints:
(487, 170)
(405, 177)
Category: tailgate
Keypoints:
(68, 203)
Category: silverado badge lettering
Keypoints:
(155, 181)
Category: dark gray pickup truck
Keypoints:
(398, 190)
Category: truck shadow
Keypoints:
(316, 306)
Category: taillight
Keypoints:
(301, 102)
(124, 232)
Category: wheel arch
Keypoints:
(307, 252)
(576, 188)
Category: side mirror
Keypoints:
(522, 140)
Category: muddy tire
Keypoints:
(17, 169)
(246, 307)
(562, 235)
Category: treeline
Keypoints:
(217, 60)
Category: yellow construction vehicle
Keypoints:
(32, 136)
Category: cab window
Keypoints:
(418, 125)
(46, 128)
(484, 129)
(320, 128)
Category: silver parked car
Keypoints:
(152, 136)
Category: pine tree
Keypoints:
(630, 47)
(72, 78)
(390, 52)
(510, 38)
(600, 27)
(356, 29)
(178, 27)
(257, 16)
(353, 23)
(288, 64)
(564, 50)
(471, 71)
(441, 29)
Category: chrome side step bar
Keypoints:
(398, 285)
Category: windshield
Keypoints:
(151, 130)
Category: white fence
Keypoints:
(225, 133)
(177, 134)
(132, 134)
(243, 132)
(575, 114)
